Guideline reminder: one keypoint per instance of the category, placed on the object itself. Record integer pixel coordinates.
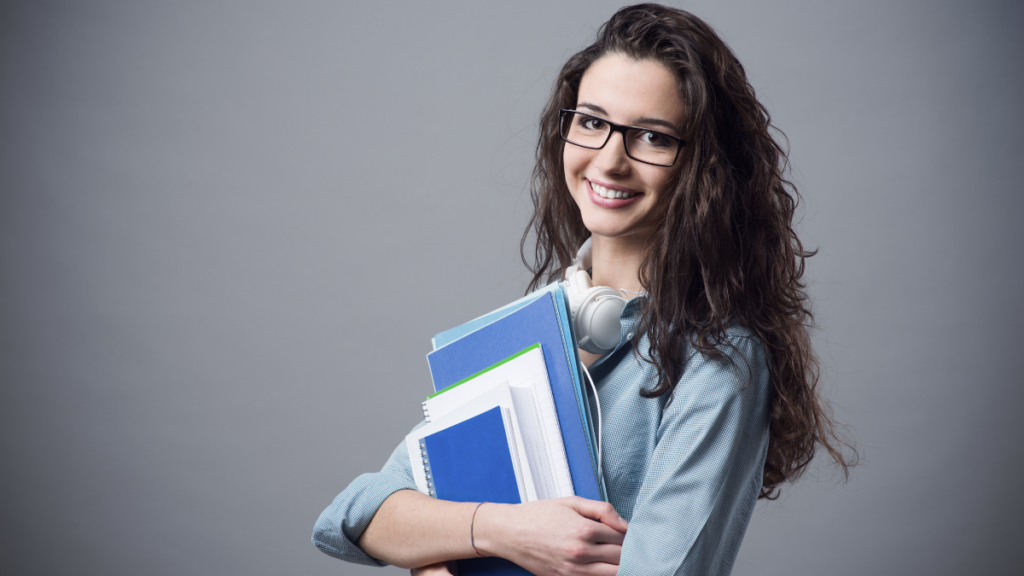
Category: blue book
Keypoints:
(452, 334)
(471, 462)
(538, 320)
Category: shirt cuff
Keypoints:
(343, 522)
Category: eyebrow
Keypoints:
(642, 120)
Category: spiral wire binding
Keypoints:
(426, 469)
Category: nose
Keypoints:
(612, 158)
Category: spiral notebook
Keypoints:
(466, 456)
(473, 461)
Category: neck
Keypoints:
(616, 263)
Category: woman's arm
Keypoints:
(563, 536)
(342, 523)
(381, 518)
(703, 480)
(411, 529)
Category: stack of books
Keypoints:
(508, 421)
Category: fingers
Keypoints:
(601, 534)
(601, 569)
(586, 554)
(606, 553)
(588, 569)
(561, 536)
(596, 533)
(600, 511)
(595, 542)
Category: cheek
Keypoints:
(661, 183)
(575, 162)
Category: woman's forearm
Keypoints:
(411, 529)
(561, 536)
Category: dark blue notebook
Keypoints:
(471, 462)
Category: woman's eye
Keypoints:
(654, 139)
(593, 124)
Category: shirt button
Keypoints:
(629, 336)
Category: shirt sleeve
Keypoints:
(342, 523)
(699, 490)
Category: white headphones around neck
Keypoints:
(595, 310)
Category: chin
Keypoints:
(618, 229)
(609, 230)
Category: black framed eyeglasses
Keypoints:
(642, 144)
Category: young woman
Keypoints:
(656, 158)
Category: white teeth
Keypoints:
(610, 194)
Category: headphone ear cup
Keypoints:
(595, 313)
(597, 323)
(603, 318)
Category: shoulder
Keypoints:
(739, 350)
(736, 371)
(721, 404)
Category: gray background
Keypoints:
(228, 231)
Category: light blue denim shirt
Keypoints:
(685, 473)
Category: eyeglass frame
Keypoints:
(620, 128)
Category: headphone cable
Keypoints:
(597, 400)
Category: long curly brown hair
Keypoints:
(726, 250)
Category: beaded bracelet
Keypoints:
(472, 542)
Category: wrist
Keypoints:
(489, 525)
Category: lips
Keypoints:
(608, 197)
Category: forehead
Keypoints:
(630, 89)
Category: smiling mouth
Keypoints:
(610, 194)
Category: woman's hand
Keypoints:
(553, 537)
(439, 569)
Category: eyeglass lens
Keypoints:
(643, 145)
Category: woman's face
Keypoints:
(635, 93)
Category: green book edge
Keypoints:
(488, 369)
